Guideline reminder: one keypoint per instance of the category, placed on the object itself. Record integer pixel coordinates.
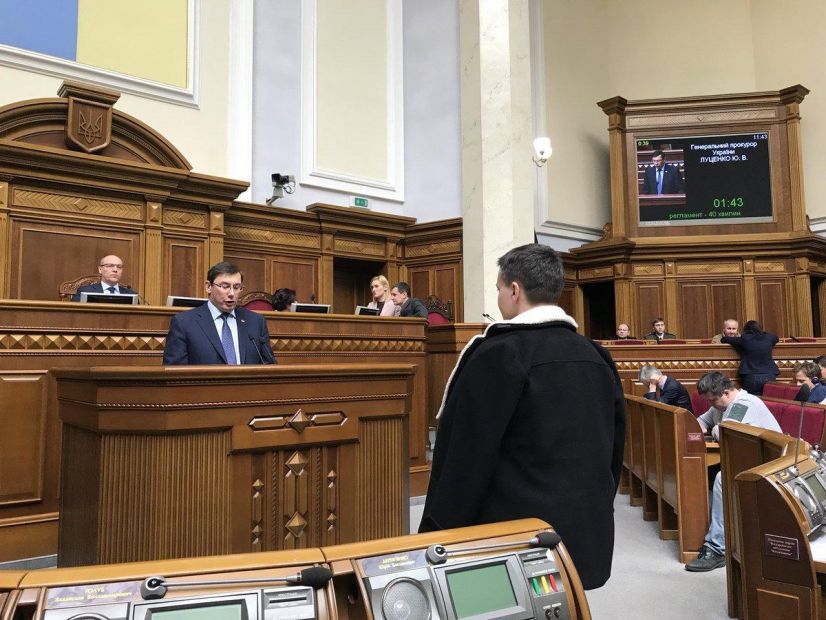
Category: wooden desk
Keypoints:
(712, 453)
(36, 336)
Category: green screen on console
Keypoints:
(480, 590)
(231, 611)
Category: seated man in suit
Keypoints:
(658, 331)
(662, 178)
(731, 328)
(409, 306)
(220, 331)
(672, 392)
(110, 269)
(624, 332)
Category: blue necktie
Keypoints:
(660, 181)
(226, 340)
(110, 290)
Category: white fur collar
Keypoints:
(535, 316)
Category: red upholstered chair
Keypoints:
(69, 287)
(621, 342)
(438, 313)
(780, 390)
(672, 341)
(778, 409)
(256, 300)
(813, 418)
(699, 404)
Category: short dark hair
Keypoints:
(402, 287)
(752, 327)
(714, 383)
(820, 360)
(659, 319)
(224, 267)
(283, 298)
(810, 369)
(657, 153)
(538, 270)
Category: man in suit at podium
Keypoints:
(219, 331)
(110, 269)
(533, 422)
(662, 178)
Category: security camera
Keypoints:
(281, 183)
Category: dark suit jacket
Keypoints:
(755, 353)
(98, 288)
(193, 339)
(666, 336)
(672, 393)
(413, 307)
(672, 180)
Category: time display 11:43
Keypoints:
(721, 203)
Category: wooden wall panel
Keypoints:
(23, 419)
(183, 272)
(419, 281)
(650, 304)
(704, 305)
(254, 269)
(299, 274)
(45, 255)
(772, 304)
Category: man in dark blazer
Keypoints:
(672, 392)
(515, 440)
(662, 178)
(658, 331)
(410, 306)
(110, 269)
(219, 331)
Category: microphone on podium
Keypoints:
(437, 554)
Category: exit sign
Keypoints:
(359, 201)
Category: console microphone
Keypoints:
(802, 395)
(437, 554)
(312, 298)
(488, 317)
(794, 338)
(313, 577)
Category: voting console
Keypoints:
(512, 570)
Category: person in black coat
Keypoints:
(672, 392)
(110, 269)
(532, 423)
(757, 367)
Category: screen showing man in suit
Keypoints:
(219, 331)
(110, 268)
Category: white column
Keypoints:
(498, 178)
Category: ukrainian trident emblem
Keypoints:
(88, 124)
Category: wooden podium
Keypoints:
(204, 460)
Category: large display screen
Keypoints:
(223, 611)
(482, 590)
(704, 179)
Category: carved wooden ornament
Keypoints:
(88, 125)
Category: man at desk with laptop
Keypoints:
(110, 269)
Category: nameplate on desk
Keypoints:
(404, 560)
(695, 437)
(93, 594)
(781, 547)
